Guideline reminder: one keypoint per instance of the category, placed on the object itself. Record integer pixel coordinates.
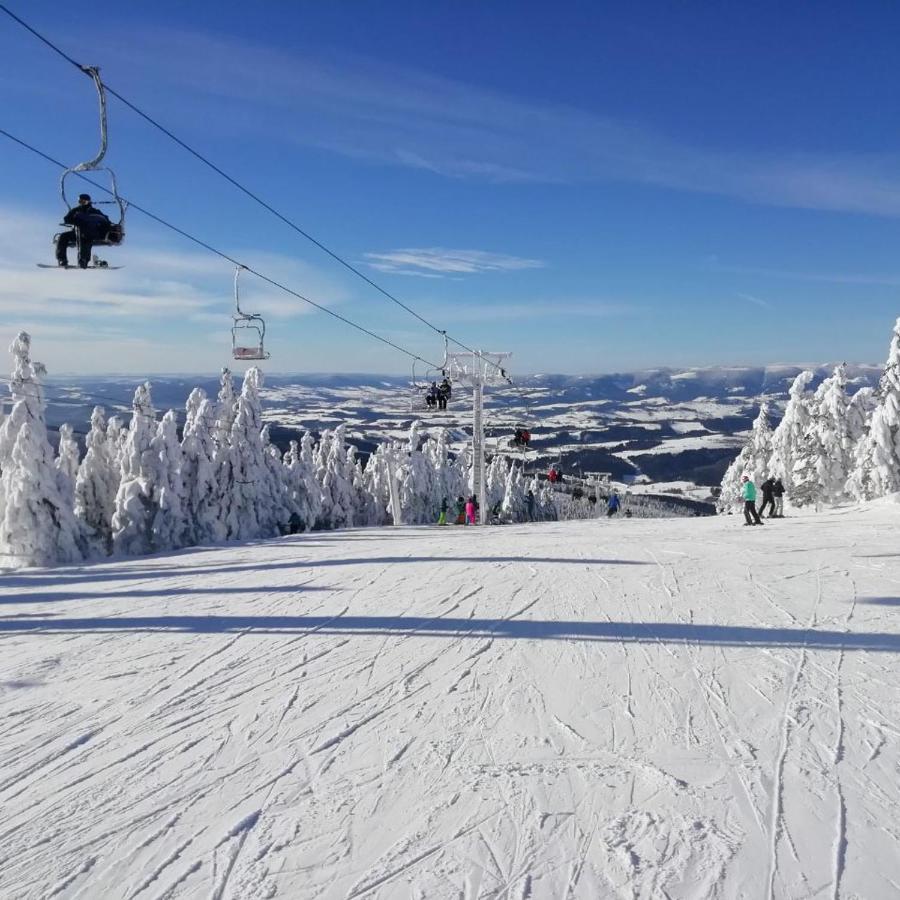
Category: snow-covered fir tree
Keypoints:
(791, 431)
(198, 471)
(167, 493)
(37, 523)
(245, 467)
(67, 460)
(337, 481)
(877, 458)
(97, 481)
(135, 507)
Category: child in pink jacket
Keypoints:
(470, 511)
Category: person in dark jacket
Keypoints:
(778, 492)
(89, 226)
(442, 518)
(529, 505)
(444, 392)
(460, 511)
(768, 496)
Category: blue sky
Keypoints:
(592, 187)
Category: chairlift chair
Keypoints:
(248, 331)
(116, 234)
(420, 389)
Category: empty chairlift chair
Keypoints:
(248, 333)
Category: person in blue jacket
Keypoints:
(612, 505)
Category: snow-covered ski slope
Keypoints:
(642, 709)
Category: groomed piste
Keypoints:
(675, 708)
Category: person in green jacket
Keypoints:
(442, 518)
(748, 492)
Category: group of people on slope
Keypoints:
(772, 497)
(438, 394)
(466, 510)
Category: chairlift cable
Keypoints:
(235, 183)
(220, 253)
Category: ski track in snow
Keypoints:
(642, 709)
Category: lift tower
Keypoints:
(479, 368)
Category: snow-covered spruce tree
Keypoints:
(135, 508)
(449, 475)
(808, 473)
(245, 466)
(366, 511)
(168, 526)
(417, 488)
(859, 414)
(755, 460)
(495, 482)
(67, 459)
(791, 431)
(514, 507)
(304, 493)
(878, 455)
(198, 471)
(337, 482)
(729, 499)
(379, 470)
(221, 496)
(37, 525)
(97, 481)
(274, 493)
(833, 432)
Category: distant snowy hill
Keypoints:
(656, 425)
(679, 708)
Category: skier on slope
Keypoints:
(442, 518)
(778, 491)
(748, 493)
(612, 505)
(768, 496)
(471, 508)
(460, 511)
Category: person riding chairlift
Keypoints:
(89, 226)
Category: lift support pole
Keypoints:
(478, 369)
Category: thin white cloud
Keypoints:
(434, 262)
(400, 116)
(756, 301)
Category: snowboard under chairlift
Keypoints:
(96, 263)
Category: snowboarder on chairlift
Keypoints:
(89, 226)
(431, 398)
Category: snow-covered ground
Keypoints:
(636, 708)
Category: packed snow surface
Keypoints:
(635, 708)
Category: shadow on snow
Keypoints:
(624, 632)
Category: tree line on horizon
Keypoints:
(140, 488)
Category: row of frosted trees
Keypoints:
(830, 447)
(139, 488)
